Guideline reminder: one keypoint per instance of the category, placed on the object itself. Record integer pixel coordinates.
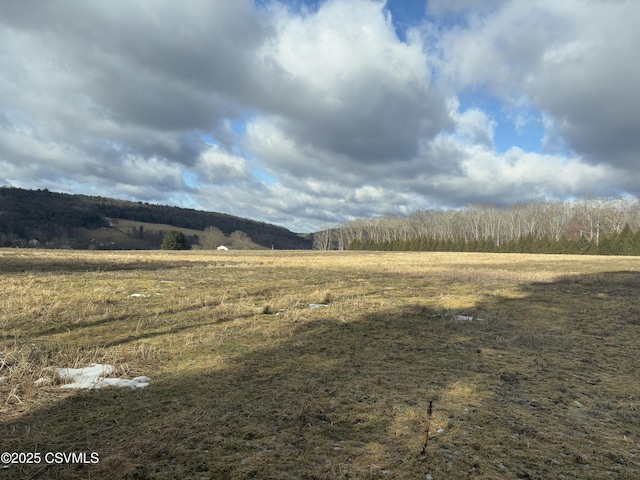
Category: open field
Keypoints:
(126, 225)
(121, 236)
(249, 382)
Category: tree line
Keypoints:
(591, 225)
(624, 243)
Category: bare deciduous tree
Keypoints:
(212, 238)
(590, 217)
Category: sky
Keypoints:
(309, 114)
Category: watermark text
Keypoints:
(58, 458)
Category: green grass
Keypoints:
(248, 382)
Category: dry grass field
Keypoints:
(249, 382)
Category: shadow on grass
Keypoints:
(112, 321)
(545, 385)
(40, 264)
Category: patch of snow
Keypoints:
(102, 382)
(88, 375)
(3, 379)
(317, 305)
(43, 381)
(465, 318)
(138, 295)
(92, 377)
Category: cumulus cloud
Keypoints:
(572, 59)
(130, 73)
(476, 127)
(308, 116)
(220, 167)
(355, 88)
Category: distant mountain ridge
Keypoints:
(40, 217)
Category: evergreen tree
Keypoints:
(175, 240)
(623, 244)
(582, 246)
(541, 245)
(635, 243)
(562, 245)
(430, 244)
(605, 246)
(524, 244)
(490, 245)
(592, 249)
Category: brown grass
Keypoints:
(249, 382)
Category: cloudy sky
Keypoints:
(311, 113)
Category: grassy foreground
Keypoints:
(249, 382)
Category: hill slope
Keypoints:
(60, 219)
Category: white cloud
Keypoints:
(573, 59)
(476, 127)
(353, 87)
(219, 167)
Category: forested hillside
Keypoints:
(41, 217)
(589, 226)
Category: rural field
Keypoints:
(530, 362)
